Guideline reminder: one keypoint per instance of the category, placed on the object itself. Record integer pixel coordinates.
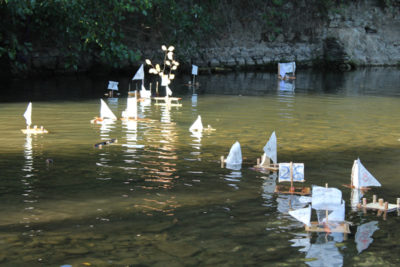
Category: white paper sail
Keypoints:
(195, 69)
(297, 172)
(361, 177)
(168, 91)
(139, 74)
(105, 111)
(235, 155)
(270, 148)
(326, 198)
(113, 85)
(28, 114)
(336, 215)
(131, 108)
(364, 234)
(197, 126)
(302, 215)
(164, 80)
(284, 68)
(145, 93)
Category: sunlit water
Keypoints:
(159, 195)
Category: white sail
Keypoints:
(197, 126)
(302, 215)
(105, 111)
(270, 148)
(326, 198)
(195, 69)
(28, 114)
(113, 85)
(235, 155)
(139, 74)
(131, 108)
(361, 177)
(168, 91)
(297, 172)
(145, 93)
(336, 215)
(284, 68)
(364, 234)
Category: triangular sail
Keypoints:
(364, 234)
(139, 74)
(105, 111)
(270, 148)
(28, 114)
(361, 177)
(235, 155)
(326, 198)
(197, 125)
(302, 215)
(297, 172)
(336, 215)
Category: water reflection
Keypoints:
(363, 237)
(28, 184)
(324, 251)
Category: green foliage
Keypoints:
(79, 28)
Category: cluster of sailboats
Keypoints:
(326, 201)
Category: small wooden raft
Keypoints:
(267, 165)
(296, 190)
(34, 130)
(168, 101)
(333, 227)
(379, 205)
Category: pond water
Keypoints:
(159, 196)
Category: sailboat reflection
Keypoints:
(27, 182)
(286, 86)
(364, 234)
(234, 178)
(324, 251)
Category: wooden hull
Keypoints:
(283, 189)
(341, 227)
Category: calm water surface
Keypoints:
(159, 196)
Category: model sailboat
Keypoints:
(286, 68)
(361, 178)
(291, 172)
(28, 119)
(330, 209)
(106, 115)
(270, 154)
(112, 86)
(234, 159)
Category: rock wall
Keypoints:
(361, 34)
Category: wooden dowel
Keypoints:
(381, 202)
(398, 203)
(386, 205)
(379, 213)
(258, 161)
(374, 199)
(222, 161)
(384, 215)
(364, 200)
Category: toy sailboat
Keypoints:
(286, 68)
(197, 126)
(361, 178)
(106, 115)
(112, 86)
(234, 159)
(291, 172)
(270, 153)
(28, 118)
(330, 210)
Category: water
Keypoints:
(159, 196)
